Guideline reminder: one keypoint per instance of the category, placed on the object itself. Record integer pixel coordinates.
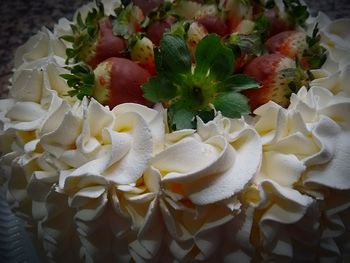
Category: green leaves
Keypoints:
(296, 11)
(237, 83)
(172, 57)
(213, 59)
(159, 89)
(84, 33)
(192, 90)
(232, 104)
(315, 54)
(121, 25)
(81, 80)
(181, 118)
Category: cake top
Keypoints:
(163, 48)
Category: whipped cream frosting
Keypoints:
(103, 184)
(305, 151)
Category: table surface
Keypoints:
(20, 19)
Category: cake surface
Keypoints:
(156, 132)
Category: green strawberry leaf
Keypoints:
(180, 118)
(206, 115)
(85, 32)
(121, 23)
(238, 83)
(248, 44)
(159, 89)
(232, 104)
(315, 54)
(172, 57)
(81, 80)
(191, 90)
(213, 58)
(296, 11)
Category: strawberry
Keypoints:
(245, 27)
(195, 33)
(214, 24)
(278, 22)
(298, 45)
(119, 80)
(207, 15)
(236, 12)
(287, 17)
(93, 40)
(128, 21)
(288, 43)
(157, 28)
(148, 5)
(241, 61)
(105, 46)
(142, 53)
(267, 70)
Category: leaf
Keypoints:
(159, 89)
(67, 76)
(80, 21)
(172, 57)
(81, 80)
(181, 118)
(232, 104)
(250, 44)
(261, 24)
(71, 53)
(68, 38)
(213, 58)
(238, 83)
(296, 11)
(206, 115)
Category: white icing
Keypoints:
(43, 44)
(34, 81)
(305, 145)
(336, 39)
(190, 179)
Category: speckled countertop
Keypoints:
(19, 19)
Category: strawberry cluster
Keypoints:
(131, 60)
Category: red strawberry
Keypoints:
(128, 21)
(236, 12)
(242, 61)
(266, 70)
(147, 5)
(156, 29)
(142, 52)
(106, 45)
(288, 43)
(214, 24)
(278, 22)
(119, 80)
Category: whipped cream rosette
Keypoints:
(305, 154)
(193, 189)
(150, 131)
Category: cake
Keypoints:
(182, 131)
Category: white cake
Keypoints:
(98, 183)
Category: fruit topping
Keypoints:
(194, 57)
(189, 90)
(142, 52)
